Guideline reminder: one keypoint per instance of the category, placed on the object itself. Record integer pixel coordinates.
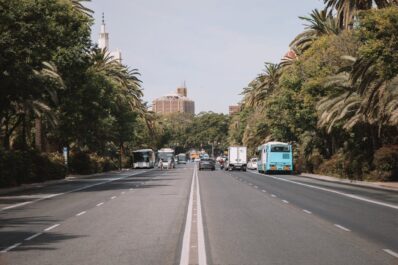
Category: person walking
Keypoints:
(160, 165)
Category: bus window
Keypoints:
(280, 148)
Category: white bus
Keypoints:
(144, 158)
(167, 157)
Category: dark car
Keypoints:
(207, 163)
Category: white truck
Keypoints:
(237, 158)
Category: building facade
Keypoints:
(174, 103)
(234, 109)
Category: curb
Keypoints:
(25, 187)
(377, 185)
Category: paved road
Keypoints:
(205, 217)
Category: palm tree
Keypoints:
(78, 6)
(359, 96)
(128, 84)
(346, 9)
(320, 23)
(260, 88)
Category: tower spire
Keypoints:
(103, 42)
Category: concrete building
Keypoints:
(174, 103)
(103, 42)
(234, 109)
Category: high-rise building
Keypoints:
(174, 103)
(103, 42)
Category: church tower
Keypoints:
(103, 42)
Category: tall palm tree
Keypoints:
(319, 23)
(260, 88)
(346, 9)
(357, 99)
(128, 84)
(78, 6)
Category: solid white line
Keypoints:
(285, 201)
(81, 213)
(306, 211)
(34, 236)
(51, 227)
(393, 206)
(99, 204)
(113, 197)
(184, 260)
(392, 253)
(201, 237)
(67, 192)
(342, 227)
(10, 248)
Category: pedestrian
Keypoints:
(160, 165)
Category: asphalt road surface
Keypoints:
(185, 216)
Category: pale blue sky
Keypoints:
(216, 46)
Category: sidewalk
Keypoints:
(25, 187)
(392, 186)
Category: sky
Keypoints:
(216, 46)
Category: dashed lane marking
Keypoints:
(342, 227)
(392, 253)
(33, 236)
(51, 227)
(81, 213)
(99, 204)
(10, 248)
(352, 196)
(67, 192)
(306, 211)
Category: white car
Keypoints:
(252, 163)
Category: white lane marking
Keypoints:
(131, 189)
(352, 196)
(184, 260)
(392, 253)
(264, 191)
(201, 237)
(10, 248)
(123, 192)
(285, 201)
(99, 204)
(113, 197)
(306, 211)
(256, 187)
(51, 227)
(81, 213)
(342, 227)
(273, 195)
(67, 192)
(33, 236)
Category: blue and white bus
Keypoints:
(144, 158)
(275, 157)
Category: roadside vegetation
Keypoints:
(334, 95)
(59, 90)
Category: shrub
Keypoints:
(385, 162)
(80, 163)
(19, 167)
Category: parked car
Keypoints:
(207, 163)
(252, 163)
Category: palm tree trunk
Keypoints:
(38, 134)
